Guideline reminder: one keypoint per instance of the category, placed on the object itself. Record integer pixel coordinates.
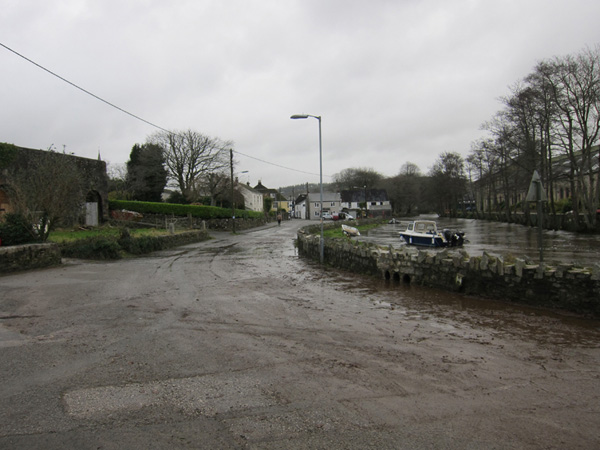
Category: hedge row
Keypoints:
(103, 247)
(202, 212)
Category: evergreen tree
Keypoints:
(146, 172)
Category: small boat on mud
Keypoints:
(425, 232)
(350, 231)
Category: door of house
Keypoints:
(91, 214)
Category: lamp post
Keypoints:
(306, 116)
(232, 191)
(232, 202)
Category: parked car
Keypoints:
(327, 216)
(345, 216)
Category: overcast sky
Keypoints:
(395, 81)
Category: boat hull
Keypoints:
(425, 233)
(350, 231)
(434, 240)
(424, 241)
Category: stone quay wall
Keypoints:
(565, 287)
(29, 256)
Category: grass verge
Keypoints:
(112, 243)
(337, 231)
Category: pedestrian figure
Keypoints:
(279, 219)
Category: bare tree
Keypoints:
(404, 190)
(575, 84)
(216, 185)
(409, 169)
(118, 188)
(189, 156)
(365, 178)
(448, 182)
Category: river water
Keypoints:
(505, 239)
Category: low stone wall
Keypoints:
(564, 287)
(35, 256)
(154, 243)
(30, 256)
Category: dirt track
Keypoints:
(238, 343)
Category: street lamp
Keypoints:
(306, 116)
(232, 191)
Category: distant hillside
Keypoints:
(295, 190)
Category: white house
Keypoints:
(332, 204)
(253, 199)
(300, 207)
(377, 202)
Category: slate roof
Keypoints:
(265, 190)
(327, 197)
(301, 198)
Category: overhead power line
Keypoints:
(82, 89)
(277, 165)
(131, 114)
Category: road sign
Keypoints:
(536, 191)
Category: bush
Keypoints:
(92, 248)
(563, 206)
(15, 230)
(139, 245)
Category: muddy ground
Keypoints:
(238, 343)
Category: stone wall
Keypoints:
(35, 256)
(30, 256)
(93, 173)
(564, 287)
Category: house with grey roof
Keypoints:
(377, 202)
(253, 199)
(332, 204)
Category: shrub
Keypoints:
(15, 230)
(139, 245)
(92, 248)
(564, 205)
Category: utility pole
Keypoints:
(537, 194)
(232, 201)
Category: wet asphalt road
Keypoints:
(238, 343)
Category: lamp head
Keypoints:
(299, 116)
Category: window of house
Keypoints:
(332, 204)
(316, 205)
